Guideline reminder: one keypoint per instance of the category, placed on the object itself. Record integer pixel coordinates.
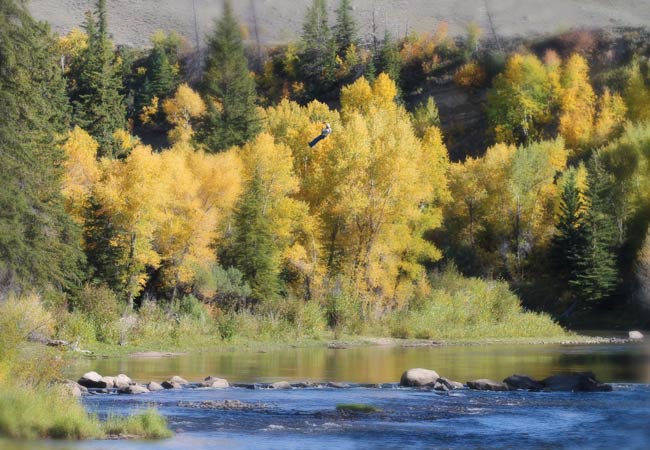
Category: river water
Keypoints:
(408, 418)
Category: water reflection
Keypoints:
(612, 363)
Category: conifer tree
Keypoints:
(39, 244)
(568, 242)
(317, 58)
(597, 273)
(253, 250)
(97, 86)
(389, 59)
(162, 80)
(229, 89)
(345, 29)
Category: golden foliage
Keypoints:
(179, 110)
(81, 171)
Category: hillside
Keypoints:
(133, 22)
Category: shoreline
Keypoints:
(115, 351)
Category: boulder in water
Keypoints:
(93, 380)
(122, 381)
(214, 382)
(635, 335)
(153, 386)
(487, 385)
(576, 382)
(133, 389)
(419, 377)
(525, 382)
(171, 385)
(179, 380)
(449, 384)
(280, 385)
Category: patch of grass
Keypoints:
(148, 424)
(33, 413)
(356, 408)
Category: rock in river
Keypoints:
(419, 377)
(487, 385)
(133, 389)
(214, 382)
(280, 385)
(153, 386)
(575, 381)
(525, 382)
(635, 335)
(93, 380)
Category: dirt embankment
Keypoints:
(274, 21)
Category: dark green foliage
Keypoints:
(390, 61)
(569, 241)
(162, 81)
(96, 86)
(39, 244)
(345, 29)
(317, 57)
(105, 253)
(253, 251)
(227, 81)
(597, 273)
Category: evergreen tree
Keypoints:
(253, 250)
(569, 241)
(161, 79)
(39, 244)
(389, 59)
(597, 273)
(345, 29)
(317, 58)
(97, 86)
(104, 246)
(425, 116)
(231, 117)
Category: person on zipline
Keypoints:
(323, 134)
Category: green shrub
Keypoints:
(100, 305)
(76, 327)
(28, 413)
(148, 424)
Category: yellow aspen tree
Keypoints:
(577, 103)
(81, 172)
(610, 117)
(180, 110)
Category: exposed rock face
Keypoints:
(635, 335)
(419, 377)
(487, 385)
(93, 380)
(153, 386)
(517, 381)
(577, 382)
(280, 385)
(214, 382)
(133, 389)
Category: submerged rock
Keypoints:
(635, 335)
(132, 389)
(336, 385)
(304, 384)
(525, 382)
(419, 377)
(230, 405)
(280, 385)
(214, 382)
(153, 386)
(93, 380)
(575, 381)
(487, 385)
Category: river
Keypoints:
(408, 418)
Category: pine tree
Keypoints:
(97, 85)
(229, 90)
(389, 59)
(317, 58)
(39, 244)
(345, 29)
(162, 81)
(569, 241)
(253, 251)
(597, 273)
